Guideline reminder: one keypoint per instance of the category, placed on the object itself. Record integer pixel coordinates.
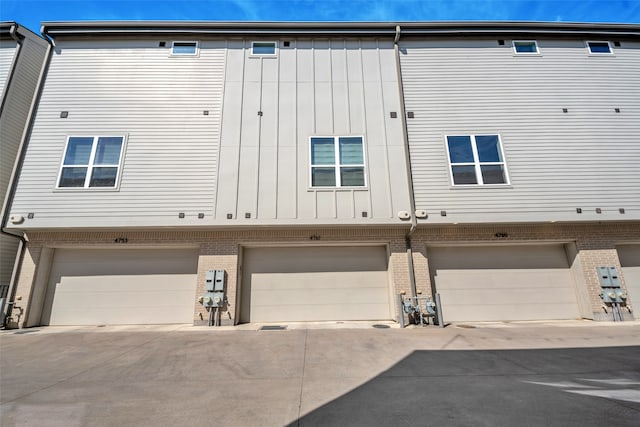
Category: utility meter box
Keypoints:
(215, 281)
(218, 280)
(608, 277)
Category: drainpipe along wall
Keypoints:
(13, 182)
(405, 135)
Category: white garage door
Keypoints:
(492, 283)
(630, 260)
(124, 286)
(315, 284)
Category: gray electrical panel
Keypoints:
(214, 288)
(214, 299)
(612, 293)
(608, 277)
(218, 280)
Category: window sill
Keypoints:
(485, 186)
(336, 189)
(82, 189)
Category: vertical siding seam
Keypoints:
(277, 141)
(219, 151)
(244, 61)
(364, 124)
(384, 135)
(332, 86)
(259, 141)
(315, 204)
(296, 142)
(346, 79)
(313, 76)
(353, 204)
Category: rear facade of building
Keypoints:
(327, 168)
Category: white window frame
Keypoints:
(515, 50)
(476, 160)
(91, 165)
(196, 53)
(337, 165)
(588, 45)
(275, 48)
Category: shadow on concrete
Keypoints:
(547, 387)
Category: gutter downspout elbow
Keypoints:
(13, 32)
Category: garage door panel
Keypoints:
(315, 296)
(507, 296)
(330, 312)
(501, 279)
(129, 286)
(492, 283)
(317, 259)
(629, 256)
(110, 316)
(96, 262)
(344, 280)
(488, 313)
(519, 257)
(116, 284)
(315, 284)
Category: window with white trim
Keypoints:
(91, 162)
(337, 161)
(187, 48)
(602, 47)
(263, 48)
(525, 47)
(476, 160)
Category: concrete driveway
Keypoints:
(567, 373)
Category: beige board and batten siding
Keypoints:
(310, 88)
(498, 283)
(630, 261)
(20, 70)
(121, 286)
(157, 101)
(321, 283)
(586, 158)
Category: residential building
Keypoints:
(22, 57)
(328, 168)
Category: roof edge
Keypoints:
(69, 28)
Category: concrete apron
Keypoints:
(185, 375)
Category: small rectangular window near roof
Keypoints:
(525, 46)
(263, 48)
(184, 48)
(599, 47)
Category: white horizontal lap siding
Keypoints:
(18, 98)
(156, 101)
(7, 53)
(556, 161)
(18, 94)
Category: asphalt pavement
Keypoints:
(501, 374)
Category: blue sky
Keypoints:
(31, 12)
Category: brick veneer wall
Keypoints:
(220, 250)
(596, 245)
